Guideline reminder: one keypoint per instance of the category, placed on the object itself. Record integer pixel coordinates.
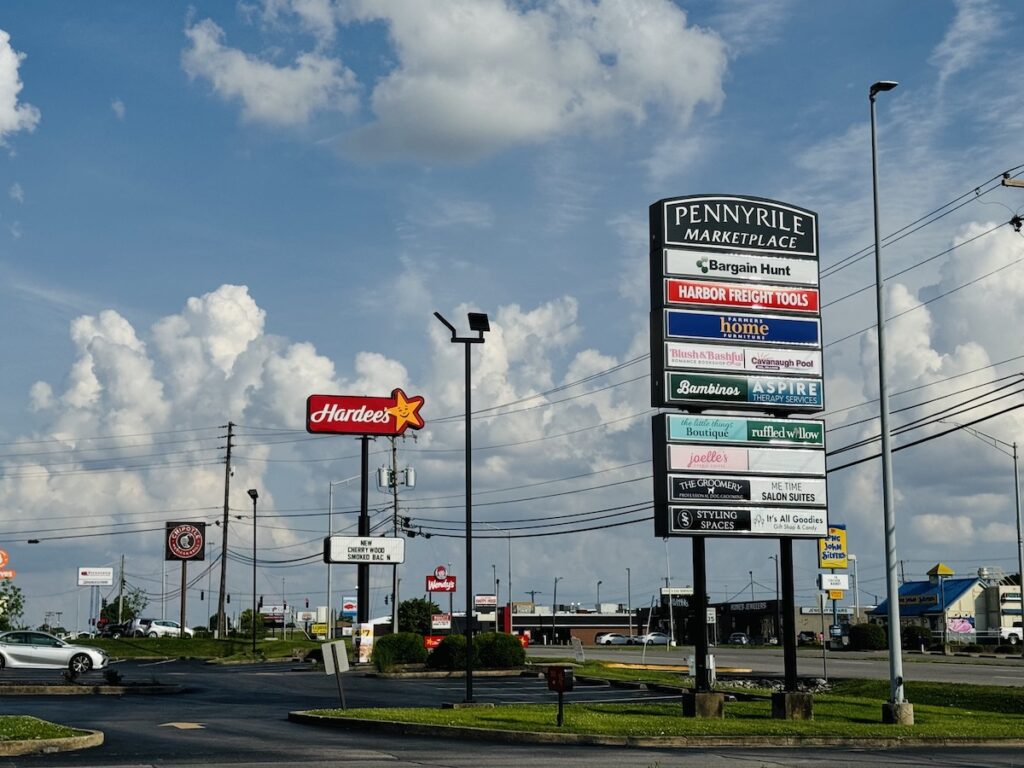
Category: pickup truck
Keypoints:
(1012, 635)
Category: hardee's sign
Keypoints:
(361, 415)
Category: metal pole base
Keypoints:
(898, 714)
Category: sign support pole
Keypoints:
(337, 673)
(363, 569)
(788, 612)
(184, 584)
(700, 594)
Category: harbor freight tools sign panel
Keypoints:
(375, 550)
(185, 541)
(735, 308)
(359, 415)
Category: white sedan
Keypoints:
(611, 638)
(40, 650)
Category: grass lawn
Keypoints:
(23, 728)
(851, 710)
(205, 648)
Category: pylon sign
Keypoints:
(736, 327)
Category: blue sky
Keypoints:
(210, 210)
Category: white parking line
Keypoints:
(158, 663)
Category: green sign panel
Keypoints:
(775, 393)
(736, 429)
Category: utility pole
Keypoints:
(221, 624)
(533, 594)
(394, 522)
(120, 593)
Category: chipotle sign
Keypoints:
(362, 415)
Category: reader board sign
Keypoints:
(758, 461)
(767, 393)
(734, 222)
(739, 296)
(364, 549)
(747, 521)
(740, 266)
(827, 581)
(95, 577)
(750, 329)
(740, 429)
(485, 601)
(730, 359)
(832, 548)
(440, 621)
(701, 490)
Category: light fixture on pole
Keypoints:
(599, 583)
(479, 323)
(253, 494)
(898, 710)
(1002, 446)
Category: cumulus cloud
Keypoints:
(118, 107)
(474, 77)
(277, 95)
(14, 116)
(16, 192)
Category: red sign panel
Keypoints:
(430, 642)
(360, 415)
(742, 296)
(440, 585)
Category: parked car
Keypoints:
(158, 628)
(807, 638)
(739, 638)
(655, 638)
(611, 638)
(115, 630)
(41, 650)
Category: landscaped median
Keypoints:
(22, 735)
(847, 714)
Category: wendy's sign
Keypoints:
(361, 415)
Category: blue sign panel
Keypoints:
(750, 329)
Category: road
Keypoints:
(236, 715)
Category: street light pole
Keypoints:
(778, 606)
(899, 710)
(253, 495)
(856, 588)
(479, 323)
(599, 583)
(1001, 446)
(330, 532)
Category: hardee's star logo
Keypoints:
(406, 411)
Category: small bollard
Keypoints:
(560, 679)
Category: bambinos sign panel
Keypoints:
(362, 415)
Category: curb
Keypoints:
(89, 690)
(49, 746)
(642, 742)
(447, 674)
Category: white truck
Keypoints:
(1012, 635)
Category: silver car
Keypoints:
(40, 650)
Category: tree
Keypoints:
(134, 603)
(245, 624)
(12, 606)
(414, 615)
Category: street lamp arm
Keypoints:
(984, 437)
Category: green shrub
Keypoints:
(914, 637)
(972, 648)
(451, 654)
(498, 650)
(868, 637)
(399, 648)
(1006, 649)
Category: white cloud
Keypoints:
(478, 77)
(976, 25)
(280, 96)
(16, 192)
(118, 107)
(14, 117)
